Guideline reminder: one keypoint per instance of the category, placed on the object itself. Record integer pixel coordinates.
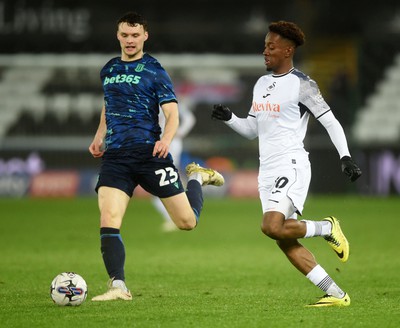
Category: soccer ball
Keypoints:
(68, 288)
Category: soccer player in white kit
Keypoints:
(282, 103)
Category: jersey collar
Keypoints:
(283, 74)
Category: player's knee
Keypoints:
(110, 219)
(272, 231)
(188, 223)
(186, 226)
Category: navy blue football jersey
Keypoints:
(133, 93)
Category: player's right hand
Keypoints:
(221, 112)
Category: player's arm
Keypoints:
(338, 137)
(170, 110)
(247, 127)
(96, 148)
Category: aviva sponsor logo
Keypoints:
(122, 78)
(266, 107)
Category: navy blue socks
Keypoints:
(113, 252)
(194, 193)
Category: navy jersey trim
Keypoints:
(323, 114)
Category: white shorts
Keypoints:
(285, 190)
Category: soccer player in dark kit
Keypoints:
(133, 151)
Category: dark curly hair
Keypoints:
(132, 19)
(288, 30)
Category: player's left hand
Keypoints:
(97, 148)
(350, 168)
(160, 149)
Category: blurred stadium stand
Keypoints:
(378, 122)
(52, 52)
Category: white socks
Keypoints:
(119, 284)
(317, 228)
(196, 176)
(321, 279)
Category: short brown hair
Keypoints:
(288, 30)
(132, 19)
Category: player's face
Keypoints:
(131, 40)
(278, 53)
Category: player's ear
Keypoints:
(146, 35)
(289, 51)
(118, 36)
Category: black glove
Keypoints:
(221, 112)
(350, 168)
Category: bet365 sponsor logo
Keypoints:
(122, 78)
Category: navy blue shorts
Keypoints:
(125, 169)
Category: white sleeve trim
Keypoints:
(336, 133)
(247, 127)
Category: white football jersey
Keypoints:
(279, 116)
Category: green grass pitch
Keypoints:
(225, 273)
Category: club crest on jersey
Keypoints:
(139, 67)
(271, 87)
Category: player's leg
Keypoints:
(181, 211)
(197, 177)
(175, 149)
(275, 226)
(168, 225)
(329, 228)
(184, 208)
(112, 204)
(303, 260)
(289, 187)
(334, 236)
(283, 192)
(280, 223)
(161, 178)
